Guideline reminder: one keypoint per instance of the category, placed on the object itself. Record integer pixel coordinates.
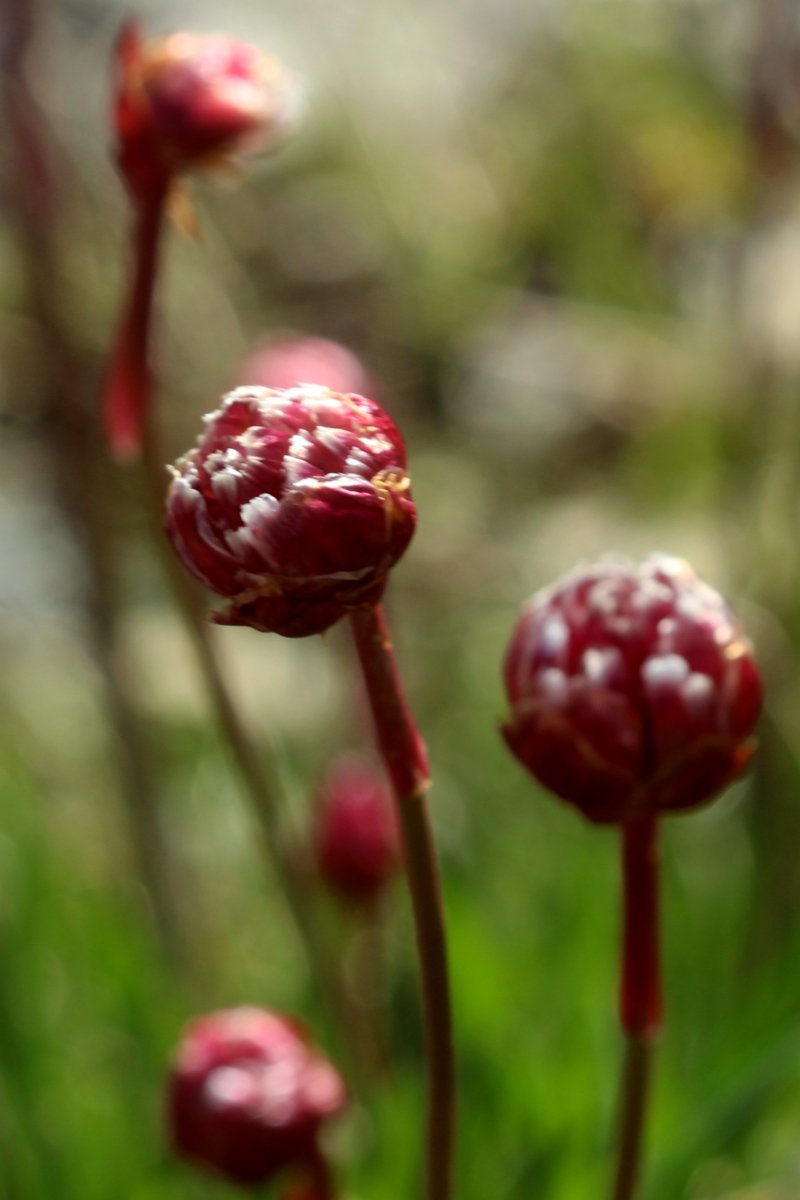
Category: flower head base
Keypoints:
(189, 100)
(294, 504)
(248, 1095)
(632, 689)
(355, 836)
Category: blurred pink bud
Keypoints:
(248, 1095)
(632, 689)
(294, 505)
(355, 834)
(286, 361)
(188, 100)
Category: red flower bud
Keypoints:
(286, 361)
(248, 1095)
(355, 834)
(187, 100)
(632, 689)
(294, 504)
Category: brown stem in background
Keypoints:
(71, 440)
(406, 761)
(640, 993)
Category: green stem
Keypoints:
(404, 753)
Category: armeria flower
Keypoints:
(189, 100)
(248, 1096)
(632, 689)
(355, 833)
(182, 103)
(289, 359)
(294, 505)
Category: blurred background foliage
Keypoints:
(564, 235)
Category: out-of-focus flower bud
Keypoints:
(248, 1095)
(294, 504)
(355, 834)
(287, 360)
(632, 689)
(188, 100)
(182, 102)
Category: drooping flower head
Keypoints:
(289, 359)
(355, 833)
(189, 100)
(632, 689)
(248, 1095)
(294, 505)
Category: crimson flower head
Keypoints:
(248, 1095)
(284, 361)
(188, 100)
(293, 505)
(355, 834)
(632, 689)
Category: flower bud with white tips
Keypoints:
(632, 689)
(294, 505)
(248, 1095)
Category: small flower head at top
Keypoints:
(189, 100)
(294, 505)
(355, 833)
(632, 689)
(248, 1096)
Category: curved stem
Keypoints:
(406, 761)
(640, 994)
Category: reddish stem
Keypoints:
(640, 985)
(407, 765)
(640, 994)
(128, 383)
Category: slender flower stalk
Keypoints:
(634, 692)
(128, 386)
(406, 762)
(640, 985)
(640, 993)
(294, 506)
